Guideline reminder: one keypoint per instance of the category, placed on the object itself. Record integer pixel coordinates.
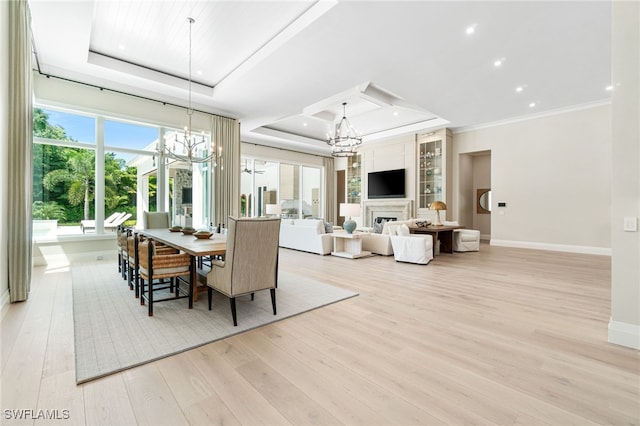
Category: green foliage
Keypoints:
(66, 175)
(42, 128)
(78, 177)
(49, 210)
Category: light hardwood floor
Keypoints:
(504, 336)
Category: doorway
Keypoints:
(475, 190)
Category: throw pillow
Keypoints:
(377, 227)
(328, 227)
(450, 223)
(403, 230)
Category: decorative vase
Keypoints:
(349, 226)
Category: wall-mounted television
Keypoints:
(386, 184)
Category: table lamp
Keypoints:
(437, 206)
(273, 209)
(349, 210)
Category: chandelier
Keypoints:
(189, 148)
(345, 140)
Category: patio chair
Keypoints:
(90, 224)
(114, 225)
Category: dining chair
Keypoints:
(156, 220)
(121, 238)
(250, 263)
(155, 267)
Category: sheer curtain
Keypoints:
(19, 152)
(226, 177)
(330, 190)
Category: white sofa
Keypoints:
(381, 243)
(305, 235)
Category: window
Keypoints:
(295, 187)
(311, 192)
(83, 162)
(63, 171)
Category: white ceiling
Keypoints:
(283, 68)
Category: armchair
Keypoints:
(411, 248)
(466, 240)
(251, 261)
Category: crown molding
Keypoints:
(549, 113)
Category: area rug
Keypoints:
(113, 332)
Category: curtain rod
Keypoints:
(287, 149)
(129, 94)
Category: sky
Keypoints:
(117, 134)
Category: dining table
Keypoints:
(195, 247)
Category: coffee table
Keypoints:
(444, 234)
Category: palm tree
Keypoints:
(79, 174)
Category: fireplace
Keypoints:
(398, 209)
(386, 219)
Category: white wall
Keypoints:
(624, 327)
(4, 137)
(57, 253)
(554, 173)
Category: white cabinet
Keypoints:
(433, 170)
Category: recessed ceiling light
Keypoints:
(395, 113)
(519, 89)
(609, 88)
(304, 124)
(532, 105)
(471, 29)
(498, 62)
(121, 46)
(199, 72)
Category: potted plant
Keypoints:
(45, 217)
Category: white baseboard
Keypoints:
(624, 334)
(603, 251)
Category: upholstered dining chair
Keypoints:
(251, 261)
(156, 220)
(154, 265)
